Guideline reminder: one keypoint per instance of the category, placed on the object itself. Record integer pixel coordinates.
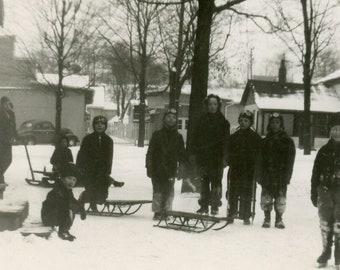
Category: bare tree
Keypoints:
(306, 32)
(137, 30)
(64, 29)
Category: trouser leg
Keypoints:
(168, 196)
(157, 197)
(245, 203)
(66, 221)
(280, 202)
(337, 226)
(233, 200)
(204, 201)
(327, 226)
(5, 160)
(216, 191)
(266, 200)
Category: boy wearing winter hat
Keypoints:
(165, 155)
(60, 206)
(243, 147)
(274, 170)
(325, 192)
(94, 160)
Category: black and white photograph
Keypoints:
(169, 134)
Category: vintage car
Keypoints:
(42, 132)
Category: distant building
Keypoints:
(33, 95)
(266, 97)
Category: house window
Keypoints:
(180, 124)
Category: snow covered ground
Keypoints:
(133, 243)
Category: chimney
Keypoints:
(282, 72)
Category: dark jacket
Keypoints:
(7, 127)
(166, 151)
(276, 160)
(61, 157)
(326, 170)
(56, 208)
(210, 142)
(242, 151)
(95, 155)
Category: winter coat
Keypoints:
(61, 157)
(56, 208)
(166, 151)
(242, 151)
(95, 155)
(276, 160)
(210, 142)
(326, 170)
(7, 127)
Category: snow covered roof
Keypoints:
(234, 94)
(73, 81)
(330, 77)
(291, 97)
(5, 33)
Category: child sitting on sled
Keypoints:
(165, 152)
(60, 206)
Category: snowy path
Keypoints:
(133, 243)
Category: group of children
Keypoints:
(251, 159)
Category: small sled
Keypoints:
(188, 222)
(118, 208)
(36, 228)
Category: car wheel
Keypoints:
(30, 141)
(72, 142)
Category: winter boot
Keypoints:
(93, 206)
(214, 210)
(204, 210)
(278, 222)
(157, 216)
(246, 221)
(327, 242)
(266, 222)
(65, 235)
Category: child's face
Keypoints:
(212, 105)
(275, 125)
(244, 123)
(69, 181)
(64, 143)
(335, 133)
(170, 120)
(99, 127)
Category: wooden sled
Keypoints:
(36, 228)
(188, 222)
(117, 208)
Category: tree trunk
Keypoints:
(200, 68)
(142, 88)
(307, 78)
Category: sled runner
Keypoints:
(36, 228)
(117, 208)
(188, 222)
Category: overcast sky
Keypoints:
(19, 19)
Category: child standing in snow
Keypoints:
(166, 151)
(60, 206)
(243, 147)
(275, 169)
(62, 155)
(325, 193)
(95, 162)
(209, 149)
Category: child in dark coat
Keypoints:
(62, 155)
(243, 147)
(325, 193)
(60, 206)
(95, 162)
(209, 149)
(274, 170)
(166, 151)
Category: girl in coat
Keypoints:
(276, 164)
(62, 154)
(209, 147)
